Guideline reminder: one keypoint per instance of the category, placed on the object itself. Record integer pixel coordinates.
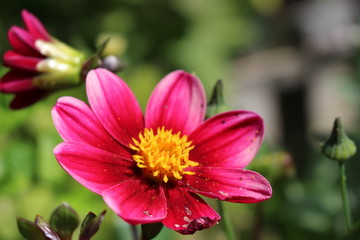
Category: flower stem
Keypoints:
(226, 223)
(134, 232)
(344, 196)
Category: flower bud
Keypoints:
(30, 230)
(39, 63)
(338, 146)
(64, 220)
(99, 60)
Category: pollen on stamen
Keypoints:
(163, 155)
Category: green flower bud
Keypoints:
(217, 103)
(64, 220)
(30, 230)
(338, 146)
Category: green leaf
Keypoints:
(151, 230)
(64, 220)
(90, 225)
(29, 230)
(46, 228)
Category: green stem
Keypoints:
(344, 196)
(226, 223)
(134, 232)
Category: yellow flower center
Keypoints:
(163, 155)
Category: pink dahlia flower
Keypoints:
(39, 63)
(150, 168)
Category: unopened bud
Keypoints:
(338, 146)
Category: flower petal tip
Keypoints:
(64, 99)
(196, 225)
(57, 149)
(25, 14)
(96, 72)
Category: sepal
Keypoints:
(217, 103)
(91, 225)
(151, 230)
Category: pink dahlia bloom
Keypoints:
(150, 168)
(39, 63)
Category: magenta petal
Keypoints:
(14, 60)
(17, 86)
(17, 81)
(25, 99)
(22, 42)
(178, 103)
(16, 75)
(187, 212)
(137, 201)
(93, 167)
(235, 185)
(228, 140)
(34, 26)
(75, 122)
(114, 105)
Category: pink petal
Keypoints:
(137, 201)
(93, 167)
(235, 185)
(15, 60)
(228, 140)
(75, 122)
(22, 42)
(178, 103)
(17, 75)
(17, 86)
(114, 105)
(25, 99)
(35, 27)
(187, 212)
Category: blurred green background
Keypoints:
(294, 62)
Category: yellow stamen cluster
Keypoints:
(163, 155)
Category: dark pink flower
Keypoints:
(150, 168)
(39, 63)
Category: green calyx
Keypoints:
(338, 146)
(61, 68)
(60, 51)
(56, 74)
